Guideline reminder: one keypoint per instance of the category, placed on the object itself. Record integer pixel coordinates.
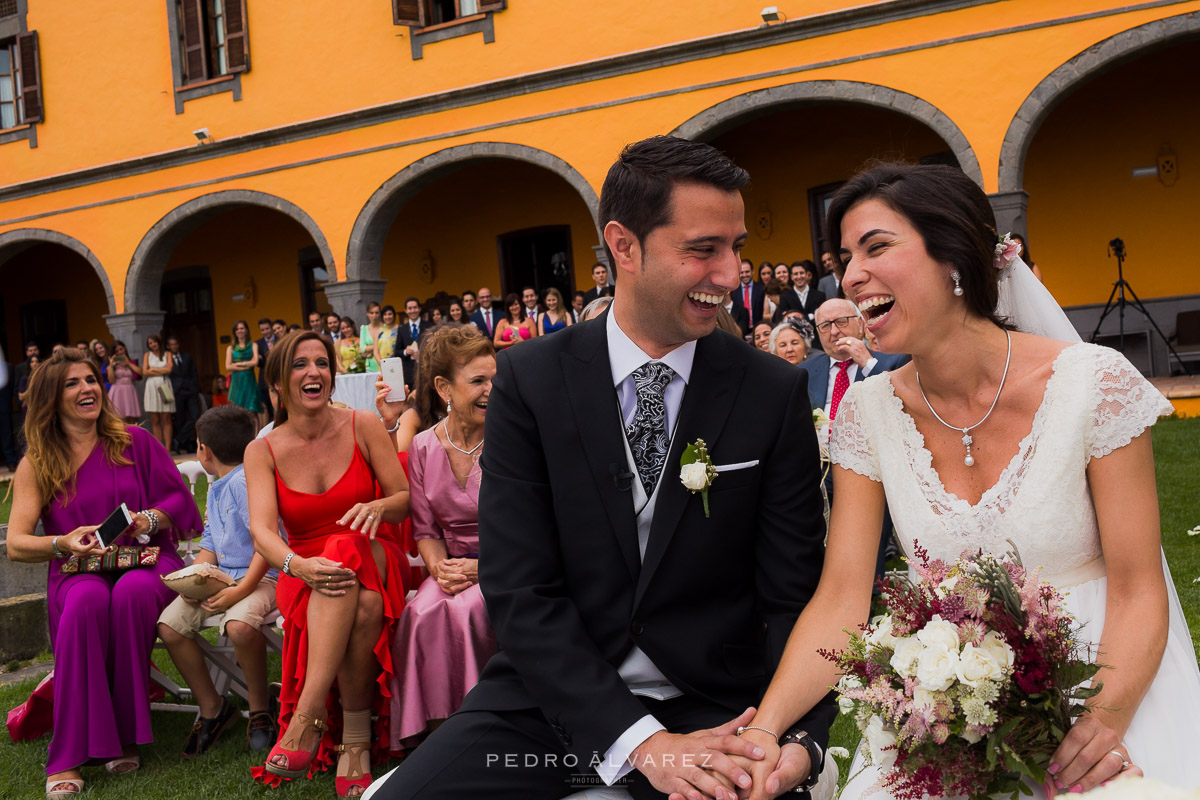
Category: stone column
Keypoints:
(1010, 209)
(349, 298)
(133, 327)
(602, 256)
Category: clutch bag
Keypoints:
(115, 559)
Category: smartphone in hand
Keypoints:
(117, 523)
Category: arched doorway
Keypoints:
(486, 214)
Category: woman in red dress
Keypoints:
(341, 589)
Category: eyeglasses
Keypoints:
(839, 322)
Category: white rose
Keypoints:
(946, 587)
(995, 646)
(939, 633)
(976, 665)
(924, 700)
(904, 658)
(937, 668)
(694, 476)
(878, 738)
(882, 635)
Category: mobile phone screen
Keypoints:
(116, 524)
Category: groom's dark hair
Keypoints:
(637, 189)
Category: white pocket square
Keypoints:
(739, 465)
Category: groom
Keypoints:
(635, 626)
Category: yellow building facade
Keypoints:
(179, 168)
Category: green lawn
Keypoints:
(224, 771)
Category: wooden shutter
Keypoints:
(31, 77)
(237, 43)
(491, 5)
(409, 12)
(191, 20)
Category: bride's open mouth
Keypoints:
(876, 309)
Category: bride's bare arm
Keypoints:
(1135, 614)
(842, 602)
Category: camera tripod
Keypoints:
(1117, 300)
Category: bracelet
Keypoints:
(153, 518)
(286, 569)
(57, 553)
(395, 427)
(774, 735)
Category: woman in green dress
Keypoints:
(369, 335)
(240, 359)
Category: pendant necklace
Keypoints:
(966, 432)
(446, 431)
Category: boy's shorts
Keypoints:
(188, 618)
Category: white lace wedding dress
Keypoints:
(1095, 402)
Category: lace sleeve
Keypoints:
(1123, 404)
(849, 445)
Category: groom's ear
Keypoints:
(624, 245)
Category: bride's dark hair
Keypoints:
(947, 208)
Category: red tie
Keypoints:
(840, 384)
(746, 298)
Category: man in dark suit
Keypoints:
(487, 316)
(636, 621)
(804, 296)
(748, 296)
(830, 284)
(265, 342)
(844, 359)
(185, 384)
(601, 289)
(409, 338)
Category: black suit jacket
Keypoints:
(404, 338)
(480, 322)
(756, 303)
(714, 599)
(594, 293)
(184, 380)
(790, 301)
(817, 367)
(741, 317)
(262, 363)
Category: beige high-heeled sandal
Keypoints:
(64, 788)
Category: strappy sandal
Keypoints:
(298, 761)
(64, 789)
(355, 777)
(124, 764)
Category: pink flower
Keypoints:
(1006, 251)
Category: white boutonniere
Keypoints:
(696, 470)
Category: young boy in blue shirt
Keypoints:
(222, 434)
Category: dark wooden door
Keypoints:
(188, 302)
(537, 257)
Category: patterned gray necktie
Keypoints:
(647, 433)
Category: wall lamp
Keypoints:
(202, 135)
(772, 14)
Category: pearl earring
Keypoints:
(958, 290)
(447, 406)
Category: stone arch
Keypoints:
(1098, 58)
(144, 279)
(717, 119)
(13, 242)
(363, 255)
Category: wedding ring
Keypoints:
(1125, 764)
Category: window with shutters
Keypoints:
(20, 91)
(435, 20)
(211, 39)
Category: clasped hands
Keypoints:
(717, 764)
(455, 575)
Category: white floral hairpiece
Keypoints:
(1007, 251)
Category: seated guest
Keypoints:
(82, 463)
(342, 588)
(444, 639)
(762, 336)
(787, 341)
(221, 438)
(844, 359)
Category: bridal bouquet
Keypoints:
(968, 682)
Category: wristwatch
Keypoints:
(815, 756)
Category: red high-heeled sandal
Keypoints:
(356, 777)
(298, 761)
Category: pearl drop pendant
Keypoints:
(969, 460)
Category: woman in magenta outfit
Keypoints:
(82, 463)
(444, 639)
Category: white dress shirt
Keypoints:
(637, 670)
(802, 294)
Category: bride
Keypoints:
(991, 434)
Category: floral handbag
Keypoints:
(115, 559)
